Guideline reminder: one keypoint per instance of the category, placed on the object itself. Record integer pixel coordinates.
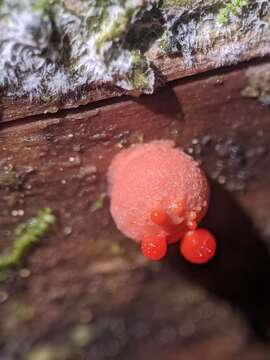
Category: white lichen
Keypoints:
(50, 48)
(189, 35)
(47, 54)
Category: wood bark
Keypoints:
(85, 276)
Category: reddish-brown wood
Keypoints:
(86, 272)
(167, 68)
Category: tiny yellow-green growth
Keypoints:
(139, 77)
(233, 7)
(98, 204)
(42, 6)
(163, 44)
(27, 235)
(116, 29)
(175, 3)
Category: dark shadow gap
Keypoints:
(240, 272)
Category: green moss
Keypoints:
(175, 3)
(139, 76)
(163, 44)
(140, 80)
(26, 235)
(233, 7)
(43, 6)
(94, 23)
(116, 29)
(98, 204)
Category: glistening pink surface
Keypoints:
(156, 190)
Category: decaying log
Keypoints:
(62, 53)
(86, 292)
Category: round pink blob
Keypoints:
(154, 176)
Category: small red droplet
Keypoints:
(154, 247)
(192, 225)
(198, 246)
(159, 217)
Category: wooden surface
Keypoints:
(167, 68)
(85, 273)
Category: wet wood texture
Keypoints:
(167, 68)
(86, 277)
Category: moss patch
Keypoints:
(139, 75)
(116, 29)
(42, 6)
(26, 235)
(233, 7)
(175, 3)
(98, 203)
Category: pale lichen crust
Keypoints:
(195, 29)
(53, 48)
(258, 84)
